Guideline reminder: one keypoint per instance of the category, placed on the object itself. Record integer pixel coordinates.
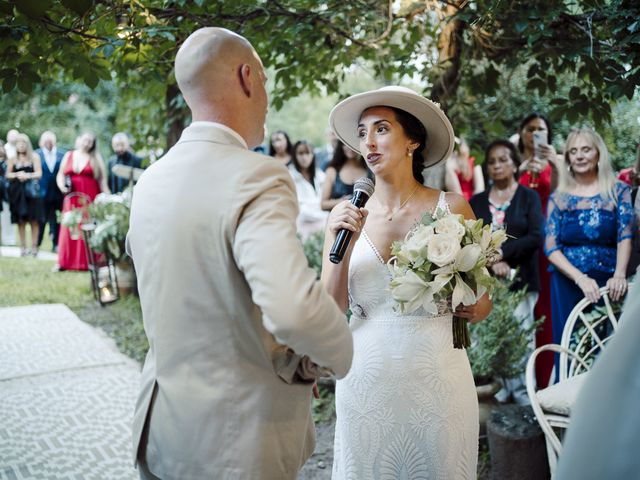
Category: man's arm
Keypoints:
(296, 308)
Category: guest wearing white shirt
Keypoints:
(50, 159)
(10, 146)
(308, 180)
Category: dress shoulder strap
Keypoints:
(442, 205)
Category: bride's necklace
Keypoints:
(402, 204)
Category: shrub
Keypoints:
(500, 344)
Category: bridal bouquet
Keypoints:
(444, 258)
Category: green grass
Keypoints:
(28, 281)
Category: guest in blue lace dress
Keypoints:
(589, 228)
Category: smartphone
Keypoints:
(539, 138)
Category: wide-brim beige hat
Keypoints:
(344, 118)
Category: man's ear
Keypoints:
(245, 79)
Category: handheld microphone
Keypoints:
(362, 190)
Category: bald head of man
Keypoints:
(222, 80)
(12, 136)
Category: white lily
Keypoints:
(467, 257)
(428, 303)
(440, 281)
(486, 238)
(410, 290)
(462, 293)
(498, 238)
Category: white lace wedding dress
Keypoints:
(408, 408)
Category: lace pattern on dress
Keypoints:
(408, 408)
(587, 229)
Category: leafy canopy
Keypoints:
(454, 49)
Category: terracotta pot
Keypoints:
(127, 282)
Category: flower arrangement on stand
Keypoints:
(72, 219)
(110, 214)
(443, 260)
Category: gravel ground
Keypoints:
(318, 467)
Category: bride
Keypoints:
(408, 408)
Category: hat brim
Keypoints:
(344, 118)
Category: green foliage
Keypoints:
(69, 109)
(581, 58)
(480, 119)
(324, 408)
(110, 214)
(596, 42)
(499, 344)
(313, 251)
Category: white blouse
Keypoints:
(311, 217)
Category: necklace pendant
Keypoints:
(389, 219)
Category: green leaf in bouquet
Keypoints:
(427, 219)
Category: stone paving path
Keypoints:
(6, 251)
(66, 398)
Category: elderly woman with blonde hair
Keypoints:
(589, 227)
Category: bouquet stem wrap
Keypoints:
(461, 337)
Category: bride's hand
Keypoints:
(346, 215)
(476, 312)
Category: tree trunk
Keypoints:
(445, 85)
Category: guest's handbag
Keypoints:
(32, 188)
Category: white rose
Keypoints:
(442, 249)
(451, 225)
(416, 242)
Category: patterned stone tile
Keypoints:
(66, 398)
(72, 424)
(47, 338)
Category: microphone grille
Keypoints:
(364, 184)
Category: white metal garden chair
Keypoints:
(588, 329)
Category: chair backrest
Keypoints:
(588, 329)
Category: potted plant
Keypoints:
(499, 346)
(110, 215)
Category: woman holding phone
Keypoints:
(539, 172)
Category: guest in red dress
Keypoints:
(85, 168)
(631, 175)
(538, 171)
(469, 175)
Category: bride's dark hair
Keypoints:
(416, 133)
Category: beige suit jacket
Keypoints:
(223, 280)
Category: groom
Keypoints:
(224, 287)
